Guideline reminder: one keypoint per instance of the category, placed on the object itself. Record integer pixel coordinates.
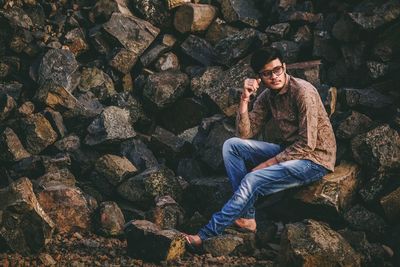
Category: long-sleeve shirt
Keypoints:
(300, 115)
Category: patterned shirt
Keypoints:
(300, 115)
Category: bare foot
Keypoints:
(193, 240)
(249, 224)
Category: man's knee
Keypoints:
(230, 145)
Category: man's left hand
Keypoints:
(265, 164)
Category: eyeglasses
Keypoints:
(268, 73)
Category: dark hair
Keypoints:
(262, 56)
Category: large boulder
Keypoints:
(311, 243)
(24, 225)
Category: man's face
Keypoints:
(273, 74)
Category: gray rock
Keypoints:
(144, 236)
(25, 227)
(58, 66)
(153, 182)
(176, 121)
(112, 125)
(11, 147)
(290, 50)
(38, 133)
(278, 31)
(164, 88)
(219, 30)
(361, 219)
(109, 219)
(377, 150)
(241, 10)
(207, 195)
(200, 84)
(366, 98)
(324, 46)
(355, 124)
(151, 54)
(190, 169)
(222, 245)
(139, 154)
(154, 11)
(102, 10)
(126, 101)
(234, 47)
(17, 17)
(199, 49)
(354, 54)
(314, 243)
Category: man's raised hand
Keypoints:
(250, 86)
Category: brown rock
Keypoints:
(75, 40)
(67, 207)
(167, 214)
(26, 109)
(175, 3)
(219, 30)
(55, 177)
(308, 71)
(7, 105)
(25, 227)
(114, 168)
(391, 205)
(311, 243)
(56, 120)
(335, 192)
(11, 147)
(194, 17)
(147, 241)
(222, 245)
(110, 219)
(38, 133)
(168, 61)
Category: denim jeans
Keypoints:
(247, 186)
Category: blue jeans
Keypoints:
(247, 186)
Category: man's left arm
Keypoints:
(307, 139)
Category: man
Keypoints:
(308, 153)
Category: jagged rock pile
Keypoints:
(113, 114)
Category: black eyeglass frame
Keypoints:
(278, 70)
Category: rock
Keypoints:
(200, 84)
(168, 61)
(207, 195)
(26, 109)
(112, 125)
(219, 30)
(189, 134)
(17, 17)
(38, 133)
(175, 120)
(194, 17)
(67, 206)
(190, 169)
(47, 259)
(75, 40)
(361, 219)
(211, 150)
(103, 9)
(199, 49)
(312, 243)
(144, 236)
(137, 113)
(25, 227)
(136, 35)
(95, 80)
(164, 88)
(114, 168)
(175, 3)
(58, 66)
(308, 71)
(371, 254)
(7, 106)
(12, 89)
(139, 154)
(167, 214)
(56, 121)
(155, 50)
(380, 15)
(123, 60)
(168, 146)
(226, 93)
(390, 204)
(290, 50)
(68, 144)
(324, 46)
(299, 16)
(377, 69)
(355, 124)
(371, 190)
(55, 177)
(31, 166)
(387, 47)
(234, 47)
(346, 30)
(367, 98)
(278, 31)
(154, 182)
(248, 245)
(11, 147)
(154, 11)
(222, 245)
(241, 10)
(335, 193)
(377, 150)
(110, 220)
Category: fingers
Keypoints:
(251, 85)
